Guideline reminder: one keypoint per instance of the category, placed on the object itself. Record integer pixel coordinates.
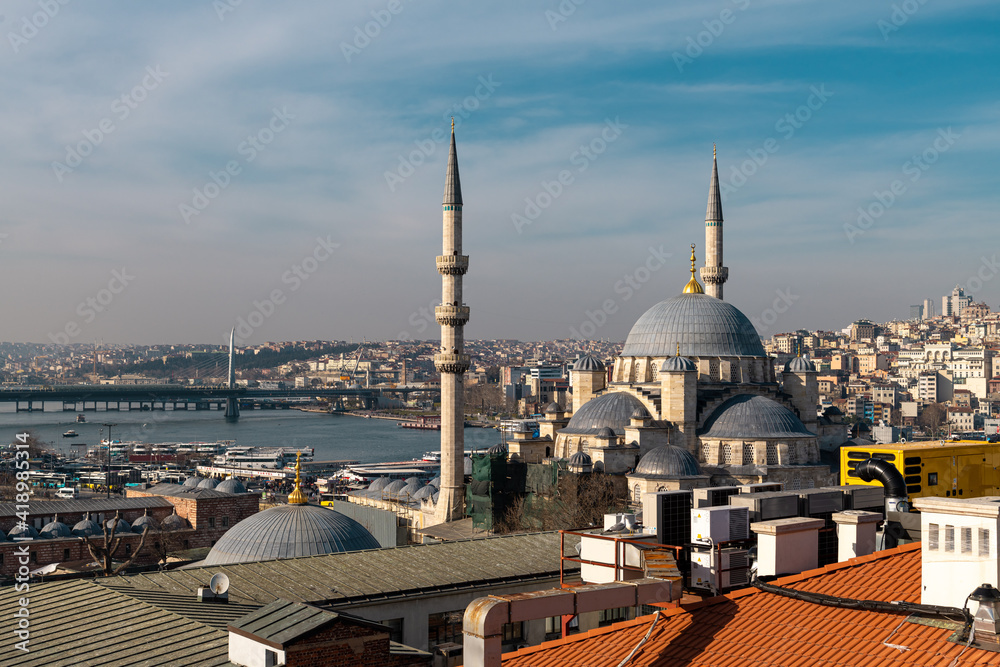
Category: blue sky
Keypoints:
(274, 166)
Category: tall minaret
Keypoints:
(452, 362)
(714, 274)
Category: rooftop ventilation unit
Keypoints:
(816, 502)
(732, 569)
(712, 525)
(858, 497)
(714, 496)
(768, 505)
(761, 487)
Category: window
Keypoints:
(932, 536)
(128, 549)
(966, 540)
(211, 522)
(225, 524)
(512, 632)
(34, 556)
(949, 539)
(984, 541)
(270, 658)
(609, 616)
(932, 479)
(445, 627)
(65, 554)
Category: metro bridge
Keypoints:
(87, 397)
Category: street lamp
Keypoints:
(107, 475)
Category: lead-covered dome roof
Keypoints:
(613, 410)
(290, 531)
(667, 461)
(588, 362)
(703, 326)
(54, 529)
(799, 365)
(746, 416)
(231, 485)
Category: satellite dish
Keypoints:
(219, 583)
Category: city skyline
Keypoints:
(171, 173)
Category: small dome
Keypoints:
(639, 413)
(175, 522)
(588, 362)
(799, 365)
(56, 528)
(145, 520)
(379, 484)
(435, 482)
(677, 364)
(498, 449)
(667, 461)
(424, 492)
(832, 411)
(207, 483)
(553, 408)
(290, 531)
(86, 527)
(613, 410)
(605, 432)
(393, 489)
(122, 526)
(23, 531)
(412, 480)
(580, 459)
(752, 417)
(192, 481)
(231, 485)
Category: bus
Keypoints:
(948, 468)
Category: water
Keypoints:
(334, 437)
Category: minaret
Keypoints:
(714, 274)
(452, 362)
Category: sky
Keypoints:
(171, 171)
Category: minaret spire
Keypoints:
(451, 361)
(714, 274)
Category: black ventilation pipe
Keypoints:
(882, 471)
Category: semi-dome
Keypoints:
(667, 461)
(207, 483)
(23, 530)
(192, 481)
(613, 410)
(85, 527)
(55, 528)
(588, 362)
(703, 326)
(799, 365)
(677, 363)
(231, 485)
(290, 531)
(753, 417)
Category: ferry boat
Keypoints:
(432, 456)
(71, 434)
(261, 457)
(423, 423)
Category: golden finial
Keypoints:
(693, 287)
(296, 497)
(453, 125)
(713, 150)
(678, 349)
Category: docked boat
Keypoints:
(423, 424)
(432, 456)
(71, 434)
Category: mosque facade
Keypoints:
(693, 399)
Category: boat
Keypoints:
(70, 434)
(81, 419)
(423, 424)
(432, 456)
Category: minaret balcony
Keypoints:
(714, 274)
(451, 316)
(452, 363)
(453, 265)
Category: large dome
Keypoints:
(667, 461)
(613, 410)
(703, 325)
(290, 531)
(748, 417)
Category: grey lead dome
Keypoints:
(290, 531)
(748, 417)
(703, 326)
(667, 461)
(613, 410)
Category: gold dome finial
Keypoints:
(296, 497)
(678, 349)
(453, 125)
(693, 286)
(713, 150)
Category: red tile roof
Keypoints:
(752, 627)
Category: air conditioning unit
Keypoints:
(768, 505)
(761, 487)
(711, 525)
(714, 496)
(731, 570)
(813, 502)
(861, 497)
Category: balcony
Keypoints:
(452, 363)
(451, 316)
(453, 265)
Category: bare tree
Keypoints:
(103, 554)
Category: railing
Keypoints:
(619, 564)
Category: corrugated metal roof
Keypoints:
(373, 574)
(81, 623)
(282, 621)
(214, 614)
(46, 507)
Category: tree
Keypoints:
(103, 554)
(932, 417)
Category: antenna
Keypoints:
(219, 583)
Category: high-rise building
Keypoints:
(451, 361)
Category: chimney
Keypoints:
(856, 533)
(787, 546)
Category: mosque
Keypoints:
(692, 400)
